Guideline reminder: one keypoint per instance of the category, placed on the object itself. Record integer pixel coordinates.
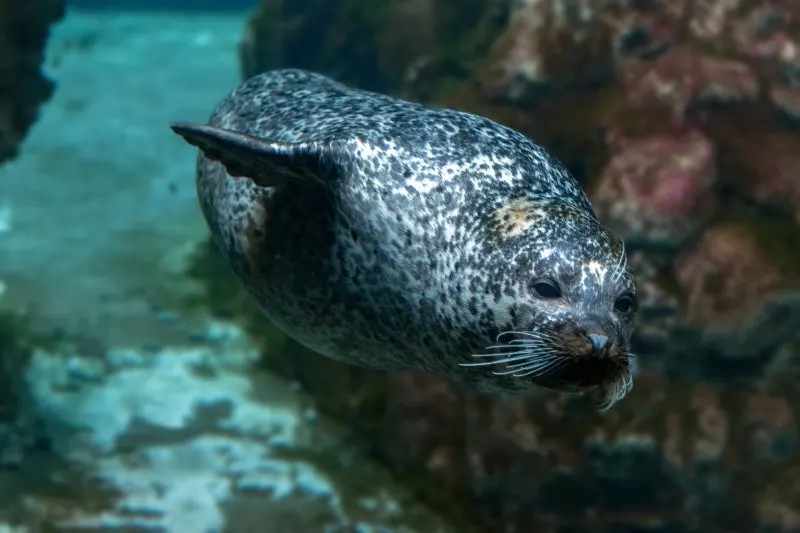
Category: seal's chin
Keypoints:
(605, 381)
(573, 363)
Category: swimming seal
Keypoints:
(391, 235)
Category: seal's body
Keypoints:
(390, 235)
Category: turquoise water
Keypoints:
(141, 389)
(149, 417)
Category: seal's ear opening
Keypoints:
(267, 163)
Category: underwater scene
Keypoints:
(399, 266)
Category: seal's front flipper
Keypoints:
(267, 163)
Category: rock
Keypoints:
(367, 43)
(521, 63)
(191, 438)
(311, 33)
(658, 190)
(681, 120)
(787, 100)
(763, 169)
(23, 87)
(659, 307)
(766, 34)
(737, 292)
(680, 79)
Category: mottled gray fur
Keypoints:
(399, 236)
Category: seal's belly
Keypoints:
(286, 247)
(304, 295)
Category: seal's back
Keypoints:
(415, 146)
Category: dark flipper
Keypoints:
(267, 163)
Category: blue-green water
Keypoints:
(188, 6)
(142, 390)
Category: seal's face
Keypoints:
(568, 307)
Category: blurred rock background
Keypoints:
(682, 120)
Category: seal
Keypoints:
(396, 236)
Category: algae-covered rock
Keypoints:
(658, 188)
(681, 119)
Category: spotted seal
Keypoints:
(397, 236)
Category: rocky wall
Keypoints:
(24, 27)
(682, 119)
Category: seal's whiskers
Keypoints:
(622, 265)
(507, 357)
(617, 389)
(538, 369)
(532, 355)
(538, 335)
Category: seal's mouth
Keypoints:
(587, 363)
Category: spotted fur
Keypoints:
(397, 236)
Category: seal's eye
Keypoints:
(624, 304)
(547, 289)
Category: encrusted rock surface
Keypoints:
(658, 188)
(24, 27)
(682, 120)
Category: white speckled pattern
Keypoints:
(417, 236)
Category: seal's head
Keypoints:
(562, 303)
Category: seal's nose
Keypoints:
(599, 342)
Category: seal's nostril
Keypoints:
(599, 342)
